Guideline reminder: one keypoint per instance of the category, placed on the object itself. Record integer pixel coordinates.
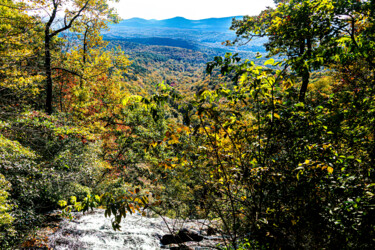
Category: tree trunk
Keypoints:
(305, 83)
(305, 73)
(47, 48)
(47, 67)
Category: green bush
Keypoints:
(45, 161)
(5, 218)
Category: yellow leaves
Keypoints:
(131, 207)
(137, 200)
(13, 149)
(174, 139)
(73, 199)
(270, 61)
(171, 137)
(62, 203)
(17, 43)
(330, 170)
(202, 130)
(310, 147)
(221, 181)
(243, 79)
(183, 128)
(288, 84)
(167, 165)
(277, 21)
(131, 99)
(323, 167)
(313, 165)
(105, 165)
(323, 146)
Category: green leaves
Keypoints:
(6, 218)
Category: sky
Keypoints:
(190, 9)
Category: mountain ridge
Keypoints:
(204, 35)
(221, 24)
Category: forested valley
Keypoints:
(274, 145)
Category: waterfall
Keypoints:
(94, 231)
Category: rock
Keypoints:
(184, 235)
(210, 231)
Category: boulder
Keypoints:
(184, 235)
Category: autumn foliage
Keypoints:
(273, 155)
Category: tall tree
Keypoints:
(75, 13)
(295, 29)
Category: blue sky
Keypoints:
(191, 9)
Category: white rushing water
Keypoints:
(94, 231)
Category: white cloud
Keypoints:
(191, 9)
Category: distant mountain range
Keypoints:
(205, 35)
(210, 24)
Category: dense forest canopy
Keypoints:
(277, 153)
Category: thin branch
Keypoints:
(70, 22)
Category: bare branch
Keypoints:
(70, 22)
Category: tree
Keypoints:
(77, 13)
(19, 48)
(261, 174)
(297, 29)
(354, 25)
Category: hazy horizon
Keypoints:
(152, 19)
(192, 9)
